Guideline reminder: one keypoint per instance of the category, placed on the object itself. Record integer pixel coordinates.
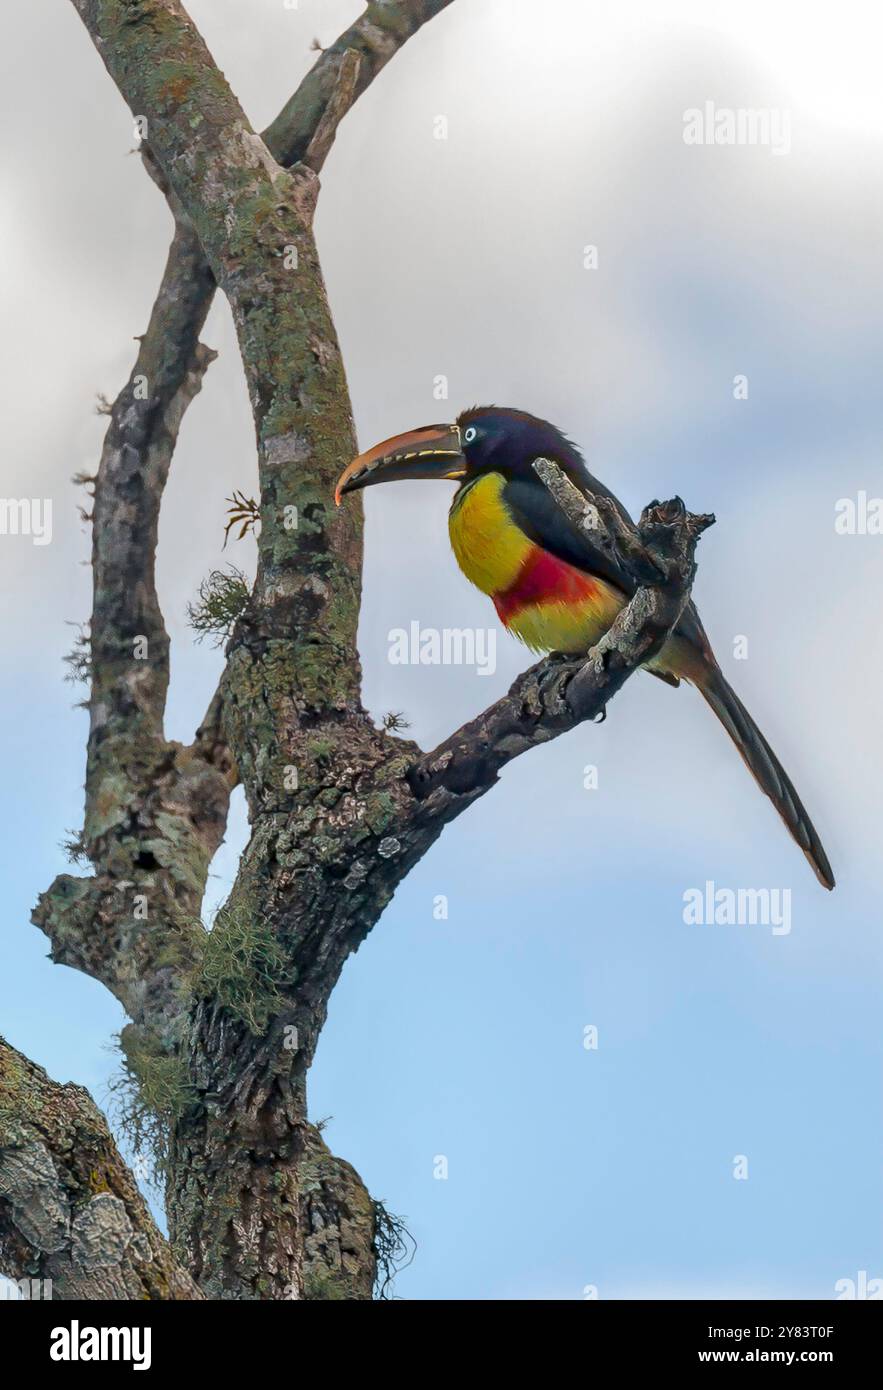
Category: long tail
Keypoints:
(765, 767)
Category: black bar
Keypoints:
(604, 1337)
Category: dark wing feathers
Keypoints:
(535, 511)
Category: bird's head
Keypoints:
(485, 439)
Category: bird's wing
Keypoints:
(535, 511)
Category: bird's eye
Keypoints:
(469, 434)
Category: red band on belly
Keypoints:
(543, 578)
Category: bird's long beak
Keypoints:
(430, 452)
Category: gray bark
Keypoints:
(72, 1221)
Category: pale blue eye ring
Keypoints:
(470, 434)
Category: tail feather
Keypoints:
(766, 769)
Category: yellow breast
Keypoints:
(546, 603)
(489, 547)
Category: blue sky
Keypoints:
(567, 1167)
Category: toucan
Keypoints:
(553, 586)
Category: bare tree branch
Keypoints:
(170, 356)
(70, 1211)
(129, 760)
(155, 812)
(135, 461)
(339, 103)
(373, 39)
(169, 368)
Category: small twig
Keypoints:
(394, 721)
(242, 509)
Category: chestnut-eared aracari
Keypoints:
(552, 585)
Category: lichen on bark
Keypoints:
(70, 1210)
